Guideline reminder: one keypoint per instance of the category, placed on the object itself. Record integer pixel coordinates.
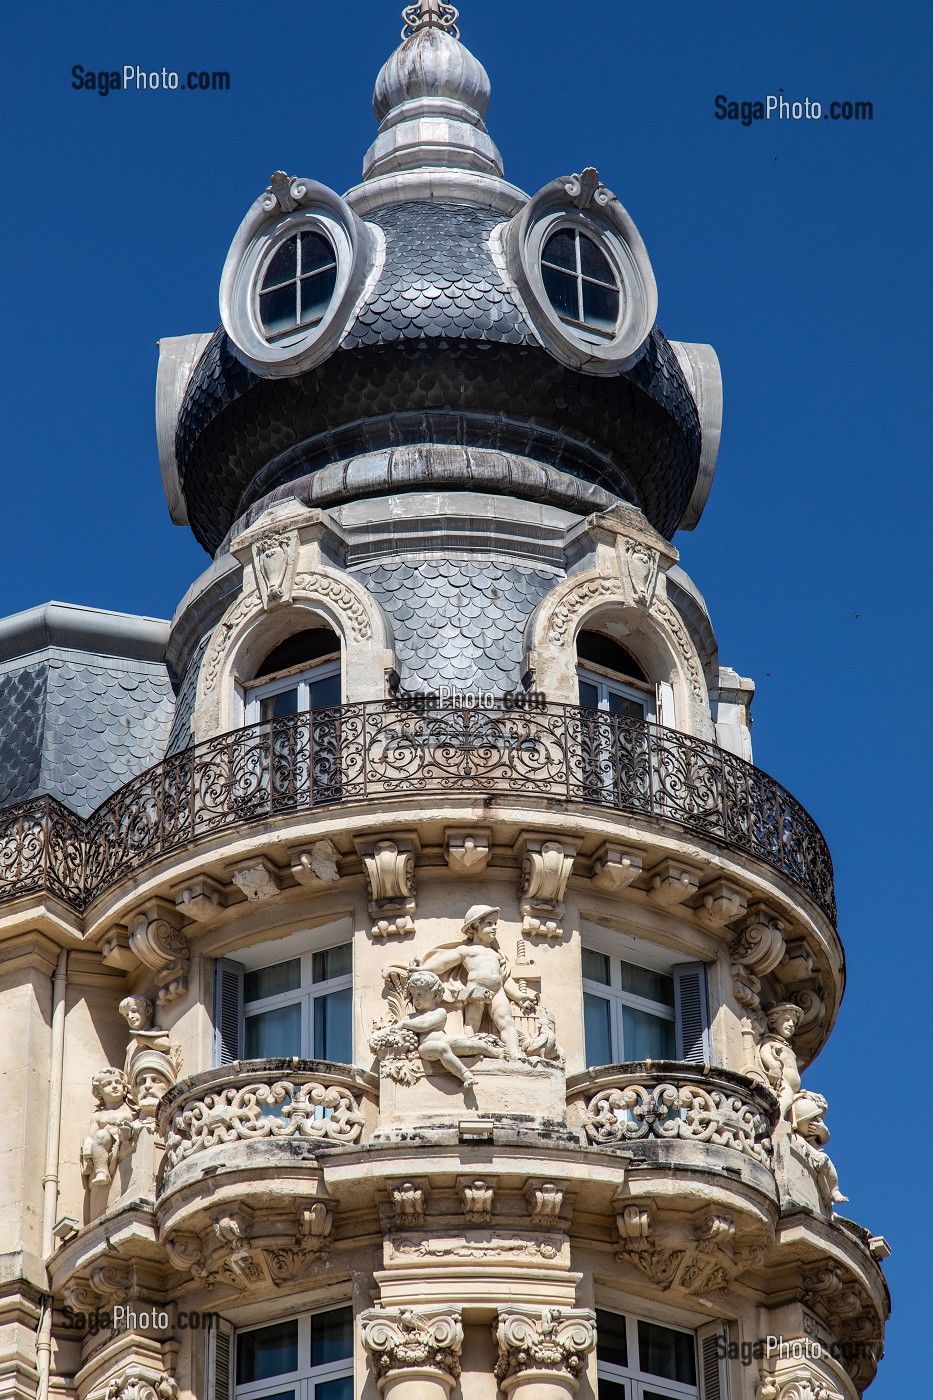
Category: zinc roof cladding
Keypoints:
(458, 623)
(79, 727)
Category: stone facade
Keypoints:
(435, 1014)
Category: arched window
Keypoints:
(297, 284)
(611, 679)
(581, 283)
(301, 673)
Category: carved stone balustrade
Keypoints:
(373, 751)
(253, 1101)
(668, 1101)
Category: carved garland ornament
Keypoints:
(543, 1339)
(406, 1339)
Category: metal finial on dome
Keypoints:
(430, 14)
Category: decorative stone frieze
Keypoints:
(530, 1341)
(546, 867)
(615, 868)
(401, 1340)
(318, 866)
(259, 880)
(467, 852)
(390, 876)
(156, 941)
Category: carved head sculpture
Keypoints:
(807, 1110)
(153, 1074)
(425, 989)
(138, 1012)
(784, 1018)
(111, 1088)
(480, 922)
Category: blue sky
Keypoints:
(800, 250)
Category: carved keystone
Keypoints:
(401, 1340)
(200, 899)
(546, 867)
(672, 882)
(467, 852)
(156, 941)
(317, 866)
(390, 876)
(532, 1340)
(259, 880)
(615, 868)
(722, 904)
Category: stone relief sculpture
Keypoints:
(801, 1109)
(152, 1058)
(423, 1033)
(114, 1127)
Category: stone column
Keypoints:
(415, 1352)
(542, 1351)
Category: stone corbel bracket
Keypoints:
(546, 866)
(536, 1345)
(467, 851)
(201, 899)
(258, 879)
(546, 1201)
(694, 1258)
(616, 867)
(721, 904)
(755, 951)
(672, 882)
(389, 862)
(422, 1345)
(477, 1195)
(155, 939)
(318, 866)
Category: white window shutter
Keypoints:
(228, 1011)
(691, 1010)
(712, 1342)
(220, 1361)
(666, 704)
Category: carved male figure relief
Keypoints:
(114, 1127)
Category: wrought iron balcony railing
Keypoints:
(380, 749)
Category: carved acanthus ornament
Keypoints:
(406, 1339)
(275, 557)
(546, 868)
(238, 1251)
(138, 1385)
(543, 1339)
(575, 600)
(390, 876)
(156, 941)
(695, 1260)
(798, 1386)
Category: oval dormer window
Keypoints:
(581, 283)
(297, 284)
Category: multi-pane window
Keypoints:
(315, 689)
(301, 1007)
(641, 1360)
(580, 282)
(305, 1358)
(297, 284)
(628, 1011)
(613, 697)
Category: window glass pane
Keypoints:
(611, 1390)
(594, 263)
(316, 293)
(596, 1030)
(561, 249)
(611, 1342)
(332, 962)
(277, 706)
(642, 982)
(600, 306)
(626, 706)
(562, 292)
(272, 981)
(595, 967)
(281, 268)
(663, 1352)
(268, 1351)
(316, 253)
(324, 693)
(332, 1336)
(646, 1037)
(340, 1389)
(589, 696)
(332, 1027)
(274, 1035)
(277, 310)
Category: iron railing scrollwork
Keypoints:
(374, 750)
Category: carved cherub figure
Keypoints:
(807, 1112)
(489, 986)
(114, 1127)
(426, 992)
(776, 1056)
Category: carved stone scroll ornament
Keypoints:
(275, 555)
(114, 1128)
(678, 1110)
(140, 1385)
(156, 941)
(546, 867)
(390, 877)
(543, 1339)
(641, 569)
(586, 189)
(408, 1339)
(697, 1261)
(798, 1386)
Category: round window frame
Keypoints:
(358, 249)
(609, 226)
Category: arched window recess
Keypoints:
(301, 673)
(611, 679)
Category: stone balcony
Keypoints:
(380, 751)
